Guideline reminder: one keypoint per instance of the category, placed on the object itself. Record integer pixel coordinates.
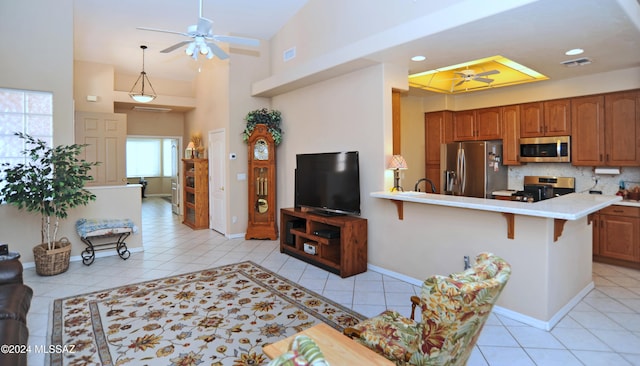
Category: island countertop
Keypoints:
(571, 206)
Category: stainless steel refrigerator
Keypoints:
(472, 168)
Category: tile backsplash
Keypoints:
(608, 184)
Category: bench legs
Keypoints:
(89, 253)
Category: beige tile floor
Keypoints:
(603, 329)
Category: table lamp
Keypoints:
(191, 147)
(396, 163)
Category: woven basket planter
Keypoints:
(54, 261)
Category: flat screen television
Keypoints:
(328, 182)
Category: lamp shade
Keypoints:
(139, 95)
(191, 145)
(397, 162)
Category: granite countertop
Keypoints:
(632, 203)
(568, 207)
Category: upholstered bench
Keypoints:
(104, 234)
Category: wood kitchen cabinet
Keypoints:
(548, 118)
(622, 128)
(606, 130)
(511, 135)
(587, 114)
(616, 235)
(478, 124)
(438, 127)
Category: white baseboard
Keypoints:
(395, 275)
(537, 323)
(234, 236)
(77, 258)
(540, 324)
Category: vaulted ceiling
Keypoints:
(536, 34)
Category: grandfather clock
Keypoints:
(262, 185)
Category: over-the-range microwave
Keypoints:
(550, 149)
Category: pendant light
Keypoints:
(141, 96)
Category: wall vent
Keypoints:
(138, 108)
(577, 62)
(289, 54)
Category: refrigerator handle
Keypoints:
(463, 171)
(458, 173)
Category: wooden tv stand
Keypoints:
(340, 242)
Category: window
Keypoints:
(25, 111)
(151, 157)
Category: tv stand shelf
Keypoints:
(340, 242)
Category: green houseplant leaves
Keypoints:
(270, 118)
(50, 182)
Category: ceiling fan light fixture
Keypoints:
(139, 95)
(574, 51)
(190, 49)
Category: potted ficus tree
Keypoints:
(50, 182)
(270, 118)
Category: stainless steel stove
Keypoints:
(538, 188)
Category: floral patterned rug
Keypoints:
(220, 316)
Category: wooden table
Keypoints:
(337, 348)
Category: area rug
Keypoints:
(220, 316)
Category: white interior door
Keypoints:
(106, 136)
(175, 182)
(217, 179)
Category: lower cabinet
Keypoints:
(337, 244)
(616, 235)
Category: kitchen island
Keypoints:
(547, 243)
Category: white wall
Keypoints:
(22, 68)
(341, 114)
(48, 69)
(22, 231)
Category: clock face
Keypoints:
(261, 150)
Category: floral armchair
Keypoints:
(453, 311)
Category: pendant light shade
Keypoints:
(139, 95)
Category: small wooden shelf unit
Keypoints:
(195, 193)
(343, 253)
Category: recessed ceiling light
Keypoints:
(418, 58)
(575, 51)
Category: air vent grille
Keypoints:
(138, 108)
(577, 62)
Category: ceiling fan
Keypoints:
(469, 75)
(202, 39)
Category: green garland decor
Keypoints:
(270, 118)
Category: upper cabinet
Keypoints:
(438, 127)
(622, 128)
(548, 118)
(606, 130)
(587, 114)
(478, 124)
(511, 135)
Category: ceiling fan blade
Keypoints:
(486, 73)
(484, 80)
(175, 46)
(218, 51)
(238, 40)
(204, 26)
(460, 83)
(162, 30)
